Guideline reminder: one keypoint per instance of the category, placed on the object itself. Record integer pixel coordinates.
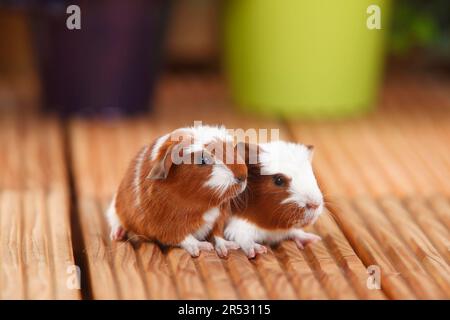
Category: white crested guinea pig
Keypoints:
(282, 197)
(176, 188)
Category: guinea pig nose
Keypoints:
(312, 205)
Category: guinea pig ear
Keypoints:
(162, 166)
(310, 152)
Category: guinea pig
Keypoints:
(175, 190)
(282, 197)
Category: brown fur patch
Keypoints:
(261, 203)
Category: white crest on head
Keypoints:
(206, 134)
(294, 161)
(221, 177)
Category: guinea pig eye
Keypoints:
(205, 160)
(279, 181)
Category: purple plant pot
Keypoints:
(109, 67)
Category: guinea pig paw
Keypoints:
(195, 248)
(221, 250)
(254, 249)
(205, 246)
(260, 248)
(222, 247)
(118, 234)
(306, 238)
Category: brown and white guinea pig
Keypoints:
(282, 197)
(175, 189)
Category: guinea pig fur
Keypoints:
(180, 203)
(282, 196)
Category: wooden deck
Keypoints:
(386, 177)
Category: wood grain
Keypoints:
(371, 252)
(244, 276)
(187, 277)
(303, 278)
(36, 210)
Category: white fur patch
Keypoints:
(210, 218)
(221, 178)
(112, 217)
(201, 135)
(193, 246)
(206, 134)
(249, 236)
(137, 176)
(293, 161)
(245, 233)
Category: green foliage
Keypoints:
(421, 24)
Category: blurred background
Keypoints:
(299, 59)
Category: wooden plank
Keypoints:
(125, 263)
(36, 174)
(273, 277)
(157, 274)
(46, 182)
(97, 252)
(12, 275)
(421, 283)
(356, 156)
(244, 276)
(304, 279)
(330, 275)
(441, 208)
(345, 257)
(400, 183)
(424, 250)
(37, 264)
(62, 245)
(430, 224)
(420, 133)
(370, 251)
(215, 276)
(59, 210)
(187, 278)
(403, 152)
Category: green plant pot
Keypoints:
(305, 58)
